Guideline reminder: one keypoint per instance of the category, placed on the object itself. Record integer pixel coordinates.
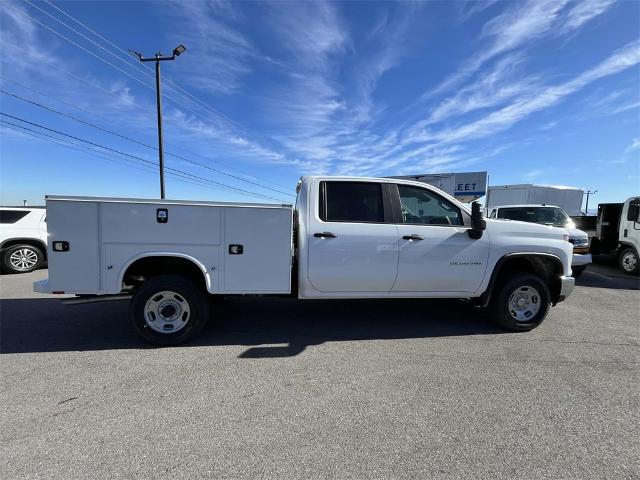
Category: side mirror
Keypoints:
(478, 224)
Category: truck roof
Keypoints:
(417, 183)
(523, 205)
(71, 198)
(523, 185)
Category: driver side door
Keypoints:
(436, 255)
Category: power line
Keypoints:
(126, 73)
(240, 172)
(107, 156)
(83, 148)
(55, 32)
(126, 53)
(239, 190)
(176, 88)
(98, 127)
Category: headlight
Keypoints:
(579, 241)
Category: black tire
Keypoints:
(577, 271)
(16, 255)
(500, 306)
(628, 261)
(181, 289)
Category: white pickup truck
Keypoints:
(346, 238)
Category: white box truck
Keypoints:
(346, 238)
(618, 233)
(567, 198)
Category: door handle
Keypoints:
(324, 235)
(413, 236)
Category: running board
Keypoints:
(96, 298)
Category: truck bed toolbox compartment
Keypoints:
(239, 248)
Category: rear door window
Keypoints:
(12, 216)
(351, 202)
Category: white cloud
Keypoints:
(635, 145)
(469, 9)
(583, 11)
(521, 24)
(224, 55)
(627, 106)
(507, 31)
(494, 88)
(548, 96)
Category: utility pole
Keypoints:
(587, 193)
(159, 58)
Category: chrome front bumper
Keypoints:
(580, 259)
(566, 287)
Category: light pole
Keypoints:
(159, 58)
(587, 193)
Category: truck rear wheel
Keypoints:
(628, 261)
(521, 302)
(169, 310)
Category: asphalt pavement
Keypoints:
(279, 388)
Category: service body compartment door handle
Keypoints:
(413, 236)
(325, 235)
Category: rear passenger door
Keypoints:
(352, 241)
(436, 255)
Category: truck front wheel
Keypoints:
(521, 302)
(169, 310)
(628, 261)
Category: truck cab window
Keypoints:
(423, 207)
(351, 202)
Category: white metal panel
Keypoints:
(498, 196)
(77, 270)
(363, 257)
(137, 223)
(445, 260)
(265, 263)
(118, 257)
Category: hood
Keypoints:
(516, 227)
(574, 233)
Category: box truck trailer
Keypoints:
(567, 198)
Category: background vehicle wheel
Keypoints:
(521, 302)
(22, 259)
(577, 271)
(169, 310)
(628, 261)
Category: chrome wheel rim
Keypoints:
(524, 303)
(23, 259)
(629, 261)
(167, 312)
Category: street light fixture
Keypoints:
(179, 50)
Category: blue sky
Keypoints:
(533, 91)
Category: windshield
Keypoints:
(553, 216)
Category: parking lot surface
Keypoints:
(279, 388)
